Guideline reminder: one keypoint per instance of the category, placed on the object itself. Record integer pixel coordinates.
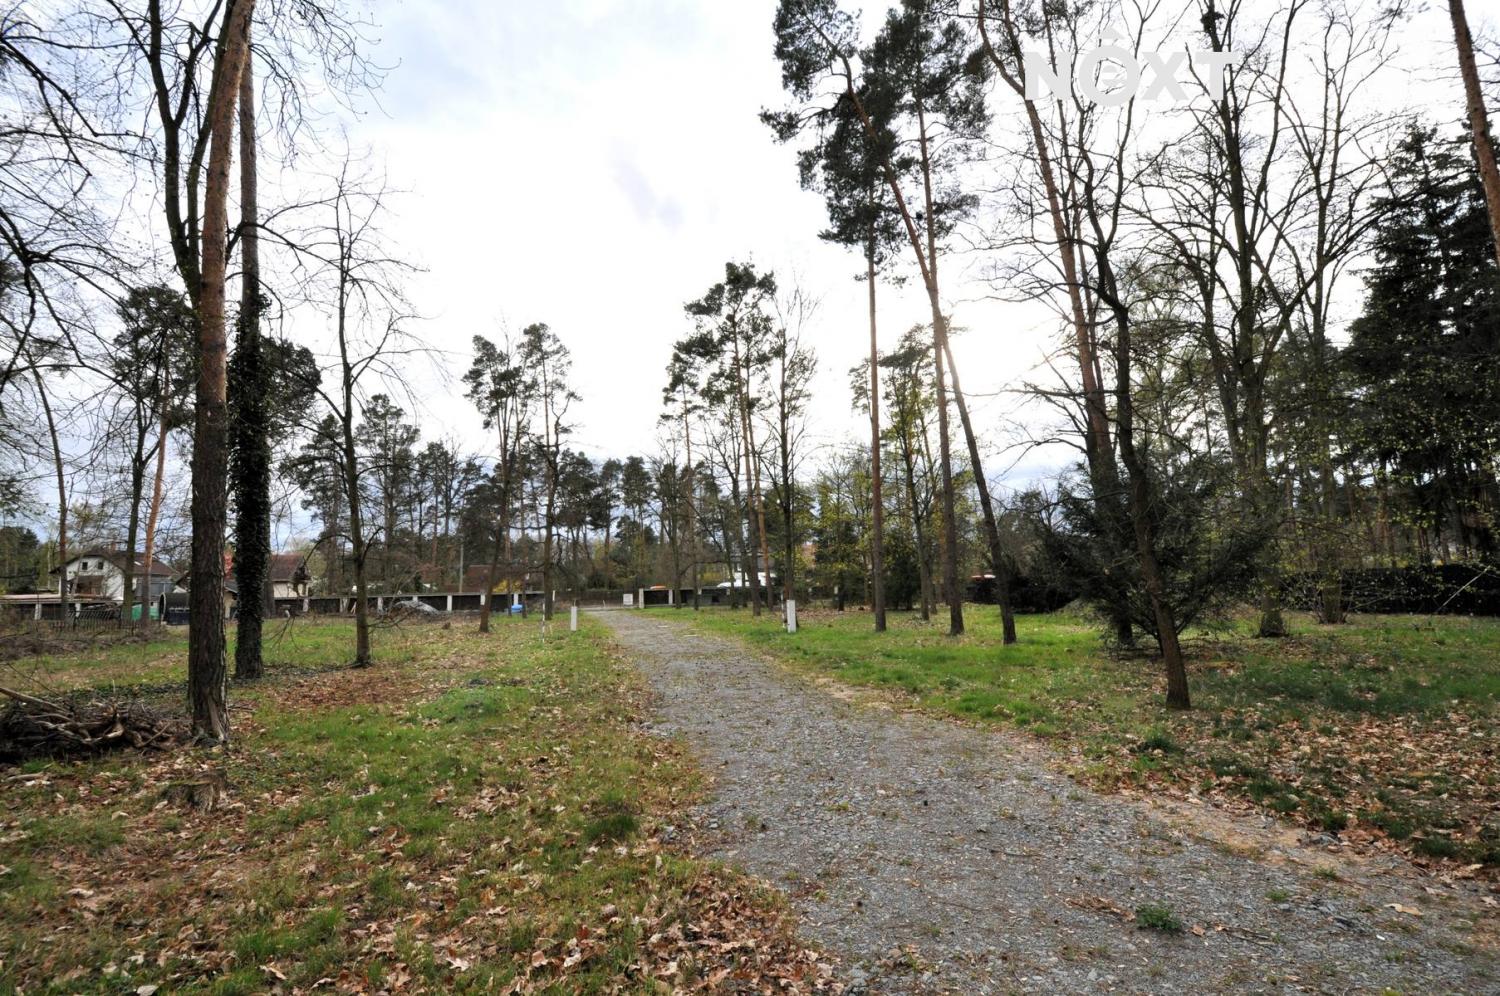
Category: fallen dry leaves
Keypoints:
(166, 888)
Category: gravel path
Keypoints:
(935, 857)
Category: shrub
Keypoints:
(1153, 917)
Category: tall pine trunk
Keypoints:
(154, 513)
(877, 501)
(752, 482)
(692, 501)
(250, 457)
(952, 591)
(207, 678)
(1000, 564)
(924, 568)
(1479, 122)
(1104, 474)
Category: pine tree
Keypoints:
(1426, 350)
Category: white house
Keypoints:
(100, 573)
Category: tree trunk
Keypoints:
(133, 529)
(752, 482)
(1097, 448)
(156, 488)
(877, 501)
(692, 502)
(739, 537)
(490, 577)
(788, 512)
(362, 656)
(952, 591)
(502, 523)
(1151, 576)
(924, 570)
(1479, 123)
(1000, 563)
(207, 679)
(1140, 509)
(62, 500)
(547, 550)
(250, 461)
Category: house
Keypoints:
(289, 575)
(177, 603)
(99, 573)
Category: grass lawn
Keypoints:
(473, 814)
(1381, 729)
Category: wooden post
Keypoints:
(573, 620)
(791, 615)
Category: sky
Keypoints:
(593, 164)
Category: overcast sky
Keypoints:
(593, 164)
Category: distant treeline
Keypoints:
(1448, 589)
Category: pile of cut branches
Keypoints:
(38, 727)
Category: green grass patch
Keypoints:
(1160, 918)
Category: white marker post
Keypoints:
(573, 620)
(791, 615)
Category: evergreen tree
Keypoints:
(1425, 353)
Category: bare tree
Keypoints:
(793, 364)
(345, 258)
(1054, 131)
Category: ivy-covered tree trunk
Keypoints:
(250, 452)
